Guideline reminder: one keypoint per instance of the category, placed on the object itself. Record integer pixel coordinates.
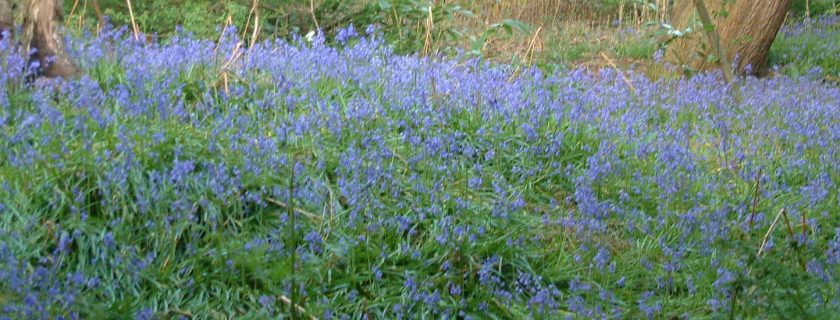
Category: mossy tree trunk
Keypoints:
(7, 20)
(42, 26)
(747, 28)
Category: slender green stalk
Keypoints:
(290, 210)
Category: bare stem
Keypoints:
(769, 231)
(623, 77)
(297, 307)
(755, 198)
(281, 204)
(312, 12)
(99, 16)
(714, 38)
(133, 22)
(793, 238)
(290, 211)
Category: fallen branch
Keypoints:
(283, 205)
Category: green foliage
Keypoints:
(201, 265)
(818, 7)
(643, 48)
(507, 26)
(409, 25)
(808, 47)
(781, 279)
(201, 17)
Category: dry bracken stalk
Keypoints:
(133, 22)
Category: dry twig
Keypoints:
(281, 204)
(312, 12)
(297, 307)
(256, 32)
(755, 199)
(623, 76)
(769, 231)
(133, 22)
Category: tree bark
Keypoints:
(42, 26)
(747, 28)
(7, 21)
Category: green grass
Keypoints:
(212, 241)
(808, 45)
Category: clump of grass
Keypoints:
(577, 44)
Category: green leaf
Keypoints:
(516, 24)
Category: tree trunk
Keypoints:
(42, 30)
(747, 28)
(7, 21)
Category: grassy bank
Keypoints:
(207, 180)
